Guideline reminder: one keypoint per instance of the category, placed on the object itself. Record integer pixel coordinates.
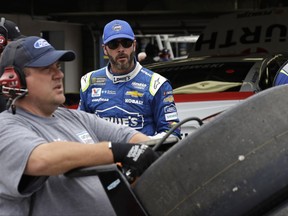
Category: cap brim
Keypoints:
(118, 36)
(51, 57)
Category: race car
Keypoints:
(206, 86)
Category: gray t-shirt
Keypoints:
(53, 195)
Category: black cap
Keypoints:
(165, 51)
(13, 32)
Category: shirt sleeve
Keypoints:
(165, 111)
(17, 143)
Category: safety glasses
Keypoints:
(113, 44)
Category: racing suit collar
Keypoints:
(125, 77)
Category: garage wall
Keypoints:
(195, 6)
(72, 40)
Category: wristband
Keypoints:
(120, 150)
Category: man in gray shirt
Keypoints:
(40, 141)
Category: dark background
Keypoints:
(146, 16)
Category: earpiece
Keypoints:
(11, 86)
(13, 79)
(10, 81)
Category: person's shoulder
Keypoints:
(71, 114)
(147, 71)
(153, 75)
(63, 111)
(7, 118)
(145, 75)
(158, 76)
(5, 114)
(101, 71)
(91, 77)
(155, 80)
(94, 73)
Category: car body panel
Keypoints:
(205, 106)
(205, 86)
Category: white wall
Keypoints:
(72, 34)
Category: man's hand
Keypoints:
(135, 158)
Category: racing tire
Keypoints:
(236, 164)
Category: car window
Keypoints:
(228, 72)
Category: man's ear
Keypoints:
(134, 45)
(104, 49)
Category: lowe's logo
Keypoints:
(121, 116)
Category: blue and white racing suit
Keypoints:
(140, 99)
(282, 77)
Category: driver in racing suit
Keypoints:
(126, 93)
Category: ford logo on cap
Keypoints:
(41, 43)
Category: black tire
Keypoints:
(236, 164)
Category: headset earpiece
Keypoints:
(12, 80)
(11, 87)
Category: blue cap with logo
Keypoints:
(32, 51)
(117, 29)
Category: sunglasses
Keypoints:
(126, 43)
